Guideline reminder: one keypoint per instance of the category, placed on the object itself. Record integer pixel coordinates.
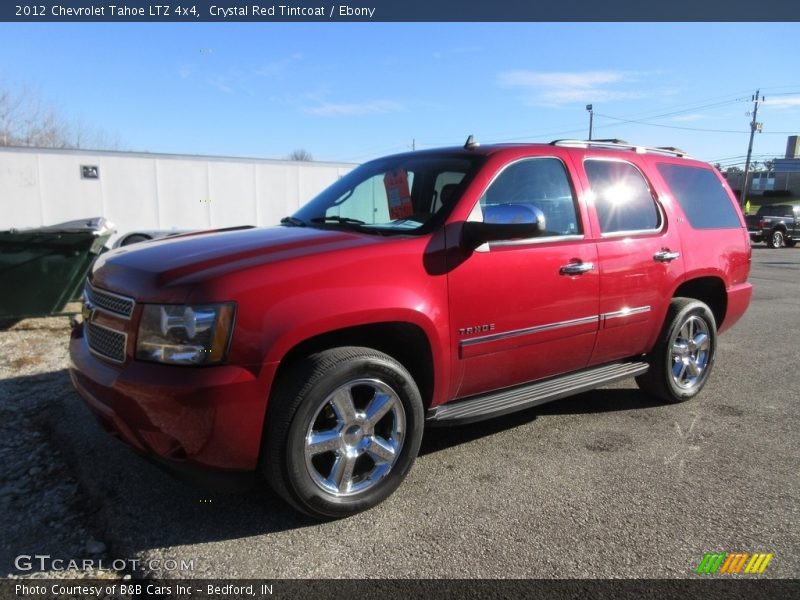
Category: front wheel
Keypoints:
(343, 429)
(684, 354)
(776, 239)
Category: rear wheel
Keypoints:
(343, 430)
(776, 239)
(684, 354)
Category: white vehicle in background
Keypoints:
(134, 237)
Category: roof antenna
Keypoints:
(471, 143)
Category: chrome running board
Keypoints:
(494, 404)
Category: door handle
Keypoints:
(665, 256)
(576, 268)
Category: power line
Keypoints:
(671, 126)
(742, 156)
(688, 128)
(689, 107)
(694, 108)
(678, 109)
(699, 104)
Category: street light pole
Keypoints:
(591, 118)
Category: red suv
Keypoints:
(434, 287)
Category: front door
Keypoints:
(525, 309)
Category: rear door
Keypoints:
(639, 255)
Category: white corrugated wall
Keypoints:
(139, 191)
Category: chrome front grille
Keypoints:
(106, 342)
(113, 303)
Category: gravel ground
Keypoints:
(607, 484)
(45, 508)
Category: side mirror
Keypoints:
(504, 222)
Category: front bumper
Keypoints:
(206, 417)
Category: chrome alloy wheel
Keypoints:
(691, 352)
(355, 437)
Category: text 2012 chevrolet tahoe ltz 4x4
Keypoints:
(436, 287)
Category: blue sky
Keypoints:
(353, 91)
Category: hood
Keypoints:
(165, 268)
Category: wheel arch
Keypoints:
(709, 290)
(406, 342)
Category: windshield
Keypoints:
(397, 194)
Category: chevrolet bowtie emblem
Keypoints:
(87, 310)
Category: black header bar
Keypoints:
(399, 11)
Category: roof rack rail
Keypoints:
(671, 150)
(621, 145)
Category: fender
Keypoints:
(301, 317)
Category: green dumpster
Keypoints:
(42, 269)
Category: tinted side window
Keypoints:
(622, 197)
(701, 196)
(540, 183)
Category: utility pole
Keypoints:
(591, 118)
(754, 125)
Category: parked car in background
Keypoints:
(134, 237)
(441, 287)
(776, 224)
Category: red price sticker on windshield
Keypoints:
(398, 194)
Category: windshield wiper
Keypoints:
(293, 221)
(356, 225)
(337, 219)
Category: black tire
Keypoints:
(776, 239)
(673, 375)
(311, 398)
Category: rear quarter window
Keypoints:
(701, 195)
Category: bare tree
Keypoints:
(82, 135)
(300, 154)
(26, 121)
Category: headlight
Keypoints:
(185, 335)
